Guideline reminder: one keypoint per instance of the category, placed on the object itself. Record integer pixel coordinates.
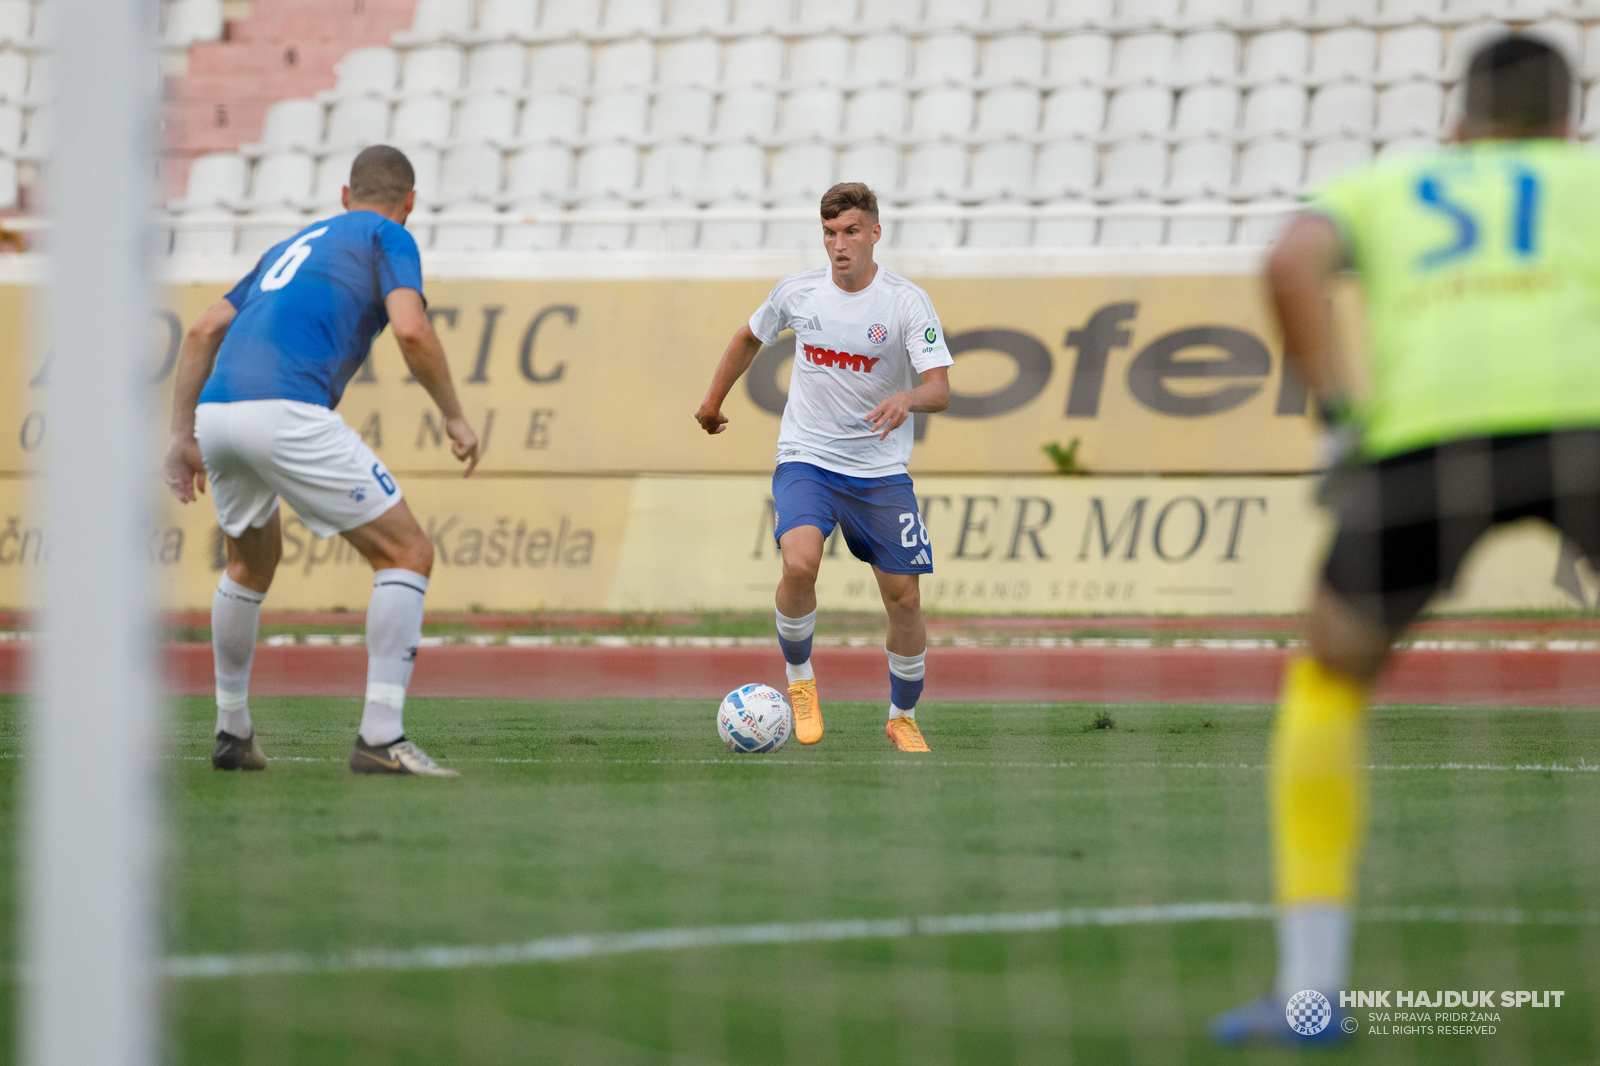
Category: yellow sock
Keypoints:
(1318, 785)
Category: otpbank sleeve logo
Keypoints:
(930, 335)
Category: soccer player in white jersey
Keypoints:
(257, 380)
(869, 352)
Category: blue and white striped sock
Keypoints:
(905, 683)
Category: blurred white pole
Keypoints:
(92, 799)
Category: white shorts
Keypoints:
(258, 450)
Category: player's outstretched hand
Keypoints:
(463, 443)
(183, 470)
(888, 415)
(711, 419)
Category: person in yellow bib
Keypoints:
(1480, 268)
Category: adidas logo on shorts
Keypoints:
(922, 559)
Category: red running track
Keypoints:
(1108, 675)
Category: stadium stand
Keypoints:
(984, 123)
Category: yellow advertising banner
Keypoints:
(1167, 374)
(1027, 545)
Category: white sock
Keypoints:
(394, 628)
(235, 620)
(794, 637)
(1313, 949)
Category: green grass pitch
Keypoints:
(628, 815)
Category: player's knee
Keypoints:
(904, 598)
(416, 554)
(801, 569)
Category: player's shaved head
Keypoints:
(847, 196)
(1517, 87)
(381, 175)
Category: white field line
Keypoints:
(593, 945)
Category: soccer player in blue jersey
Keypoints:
(257, 380)
(869, 351)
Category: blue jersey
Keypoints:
(309, 311)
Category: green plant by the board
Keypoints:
(1066, 459)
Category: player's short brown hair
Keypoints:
(1518, 85)
(848, 196)
(381, 175)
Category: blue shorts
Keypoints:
(878, 515)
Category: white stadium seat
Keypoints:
(730, 236)
(1410, 52)
(1402, 11)
(471, 172)
(755, 16)
(617, 116)
(534, 236)
(1078, 59)
(753, 61)
(367, 71)
(1591, 110)
(570, 18)
(255, 241)
(501, 20)
(1064, 232)
(1344, 54)
(944, 59)
(438, 20)
(1148, 13)
(1030, 14)
(281, 180)
(745, 114)
(1270, 169)
(497, 68)
(436, 69)
(292, 124)
(1410, 109)
(733, 172)
(422, 120)
(37, 135)
(1274, 109)
(1014, 59)
(544, 171)
(820, 60)
(1466, 40)
(801, 172)
(1206, 56)
(192, 21)
(998, 232)
(1201, 232)
(691, 62)
(924, 234)
(487, 120)
(682, 112)
(1077, 110)
(695, 16)
(963, 14)
(941, 113)
(1001, 171)
(425, 163)
(11, 130)
(824, 16)
(1224, 13)
(1342, 110)
(1143, 109)
(1589, 67)
(1206, 110)
(1008, 112)
(1144, 58)
(1279, 12)
(624, 17)
(878, 165)
(469, 234)
(552, 117)
(1344, 12)
(212, 240)
(603, 236)
(804, 236)
(1201, 170)
(358, 122)
(13, 76)
(215, 180)
(936, 171)
(1132, 170)
(1136, 232)
(41, 78)
(881, 59)
(811, 113)
(890, 14)
(607, 170)
(1279, 55)
(1064, 169)
(333, 174)
(627, 64)
(672, 171)
(16, 22)
(875, 113)
(1329, 159)
(561, 67)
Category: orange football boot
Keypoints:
(904, 734)
(807, 711)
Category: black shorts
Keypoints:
(1407, 522)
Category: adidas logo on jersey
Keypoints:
(843, 360)
(813, 322)
(922, 559)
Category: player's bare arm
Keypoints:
(932, 396)
(425, 359)
(183, 469)
(741, 352)
(1298, 274)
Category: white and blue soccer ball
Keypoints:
(754, 718)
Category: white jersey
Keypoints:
(852, 351)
